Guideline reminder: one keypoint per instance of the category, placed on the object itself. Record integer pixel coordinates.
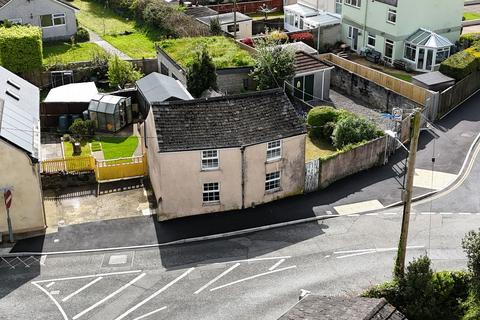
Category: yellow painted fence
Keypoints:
(105, 170)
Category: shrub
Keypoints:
(121, 72)
(82, 129)
(215, 28)
(468, 39)
(82, 35)
(21, 48)
(351, 130)
(201, 74)
(305, 37)
(459, 65)
(318, 118)
(471, 246)
(277, 36)
(248, 42)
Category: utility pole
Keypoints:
(407, 195)
(235, 19)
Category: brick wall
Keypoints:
(247, 7)
(235, 80)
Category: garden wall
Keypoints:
(366, 156)
(235, 80)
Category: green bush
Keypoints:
(82, 129)
(121, 72)
(215, 28)
(468, 39)
(459, 65)
(82, 35)
(201, 74)
(352, 129)
(322, 120)
(471, 246)
(21, 48)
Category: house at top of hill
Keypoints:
(55, 17)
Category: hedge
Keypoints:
(469, 39)
(460, 65)
(21, 48)
(321, 121)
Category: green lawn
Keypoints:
(316, 149)
(402, 76)
(63, 52)
(118, 147)
(95, 17)
(113, 147)
(261, 16)
(135, 45)
(68, 149)
(224, 52)
(471, 15)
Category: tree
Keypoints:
(82, 129)
(352, 129)
(215, 28)
(471, 246)
(273, 64)
(121, 72)
(201, 73)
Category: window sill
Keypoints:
(390, 22)
(273, 160)
(351, 6)
(210, 204)
(267, 192)
(210, 169)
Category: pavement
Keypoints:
(95, 38)
(372, 189)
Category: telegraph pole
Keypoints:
(407, 195)
(235, 19)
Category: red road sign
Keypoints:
(7, 195)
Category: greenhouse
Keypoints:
(110, 113)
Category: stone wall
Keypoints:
(235, 80)
(347, 163)
(370, 93)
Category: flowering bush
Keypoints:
(305, 37)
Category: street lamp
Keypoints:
(393, 134)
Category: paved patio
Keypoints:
(51, 147)
(75, 205)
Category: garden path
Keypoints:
(95, 38)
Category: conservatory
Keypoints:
(110, 113)
(425, 50)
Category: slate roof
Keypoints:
(4, 2)
(19, 113)
(157, 87)
(200, 11)
(305, 62)
(314, 307)
(223, 122)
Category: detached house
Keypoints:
(55, 17)
(225, 153)
(19, 153)
(417, 33)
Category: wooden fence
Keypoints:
(403, 88)
(123, 168)
(456, 94)
(105, 170)
(68, 165)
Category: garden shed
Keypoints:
(110, 113)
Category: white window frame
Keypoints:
(338, 6)
(211, 190)
(370, 36)
(272, 181)
(353, 3)
(350, 32)
(388, 59)
(210, 156)
(54, 16)
(391, 13)
(274, 150)
(411, 47)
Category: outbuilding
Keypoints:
(110, 113)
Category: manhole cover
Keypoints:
(124, 259)
(120, 259)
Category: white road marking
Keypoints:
(446, 213)
(435, 180)
(252, 277)
(217, 277)
(82, 288)
(353, 215)
(138, 305)
(390, 213)
(42, 260)
(464, 213)
(256, 259)
(412, 212)
(353, 253)
(276, 265)
(372, 214)
(111, 295)
(329, 212)
(90, 276)
(53, 299)
(150, 313)
(55, 292)
(50, 284)
(427, 213)
(327, 256)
